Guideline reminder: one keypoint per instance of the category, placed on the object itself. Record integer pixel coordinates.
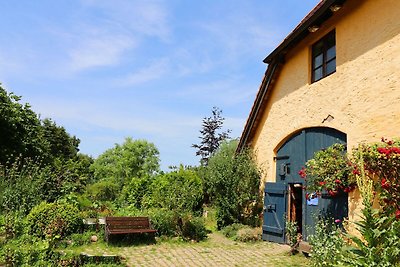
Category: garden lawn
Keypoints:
(217, 250)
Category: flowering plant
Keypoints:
(382, 164)
(329, 170)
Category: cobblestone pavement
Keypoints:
(217, 251)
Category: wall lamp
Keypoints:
(313, 28)
(335, 8)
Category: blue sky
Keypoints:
(149, 69)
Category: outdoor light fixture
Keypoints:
(313, 28)
(335, 8)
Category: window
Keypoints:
(324, 57)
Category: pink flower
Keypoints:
(338, 221)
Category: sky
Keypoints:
(147, 69)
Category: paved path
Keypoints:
(217, 251)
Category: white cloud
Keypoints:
(149, 17)
(99, 49)
(154, 71)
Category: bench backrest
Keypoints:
(127, 223)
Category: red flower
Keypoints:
(383, 150)
(302, 173)
(338, 181)
(356, 172)
(385, 184)
(395, 150)
(398, 214)
(322, 183)
(332, 193)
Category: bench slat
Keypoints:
(127, 225)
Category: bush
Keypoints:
(232, 182)
(28, 251)
(194, 228)
(380, 241)
(20, 185)
(179, 190)
(135, 190)
(248, 234)
(230, 231)
(165, 221)
(54, 219)
(327, 244)
(242, 233)
(103, 190)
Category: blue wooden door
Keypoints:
(274, 212)
(290, 158)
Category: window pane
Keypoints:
(331, 53)
(318, 61)
(318, 74)
(318, 48)
(331, 67)
(330, 39)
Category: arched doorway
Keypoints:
(285, 198)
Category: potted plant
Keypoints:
(328, 171)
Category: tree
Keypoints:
(210, 137)
(61, 144)
(132, 159)
(21, 133)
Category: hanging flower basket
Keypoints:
(328, 172)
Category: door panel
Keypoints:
(293, 154)
(274, 212)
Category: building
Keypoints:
(334, 78)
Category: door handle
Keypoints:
(270, 207)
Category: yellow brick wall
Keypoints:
(363, 95)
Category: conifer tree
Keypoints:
(211, 135)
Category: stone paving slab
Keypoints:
(217, 251)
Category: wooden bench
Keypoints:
(127, 225)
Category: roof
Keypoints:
(318, 15)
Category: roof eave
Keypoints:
(316, 17)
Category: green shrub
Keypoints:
(53, 219)
(194, 228)
(230, 231)
(103, 190)
(135, 190)
(327, 243)
(20, 185)
(28, 251)
(232, 182)
(165, 221)
(13, 224)
(292, 234)
(242, 233)
(380, 241)
(248, 234)
(179, 190)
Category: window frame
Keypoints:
(321, 47)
